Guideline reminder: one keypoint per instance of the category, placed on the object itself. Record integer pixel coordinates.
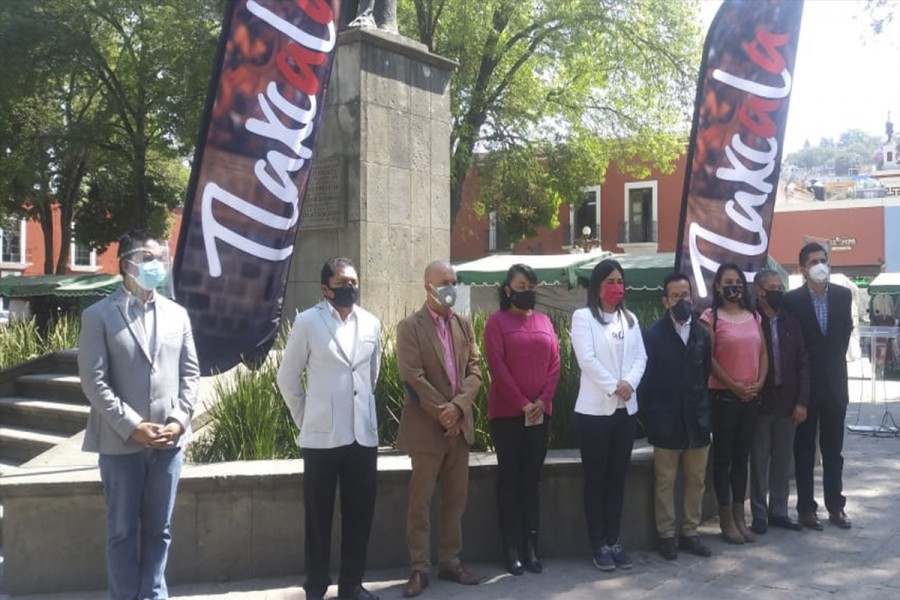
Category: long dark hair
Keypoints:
(718, 300)
(517, 268)
(601, 272)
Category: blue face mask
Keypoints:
(150, 274)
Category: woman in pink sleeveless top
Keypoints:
(739, 364)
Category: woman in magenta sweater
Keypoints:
(523, 358)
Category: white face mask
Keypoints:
(819, 273)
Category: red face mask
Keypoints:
(612, 293)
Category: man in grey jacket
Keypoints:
(139, 370)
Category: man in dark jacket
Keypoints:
(785, 397)
(824, 312)
(675, 410)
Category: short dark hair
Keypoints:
(131, 241)
(808, 249)
(517, 268)
(333, 265)
(672, 278)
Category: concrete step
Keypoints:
(66, 361)
(51, 386)
(19, 445)
(44, 415)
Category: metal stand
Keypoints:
(888, 426)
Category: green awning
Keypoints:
(551, 269)
(885, 283)
(69, 286)
(645, 272)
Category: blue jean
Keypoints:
(140, 495)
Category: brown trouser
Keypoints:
(665, 470)
(450, 466)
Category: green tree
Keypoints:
(559, 89)
(99, 111)
(49, 121)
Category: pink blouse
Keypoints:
(738, 344)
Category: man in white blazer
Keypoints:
(139, 370)
(338, 345)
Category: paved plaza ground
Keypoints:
(861, 563)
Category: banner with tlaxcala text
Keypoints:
(250, 172)
(734, 156)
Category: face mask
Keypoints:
(773, 298)
(732, 293)
(681, 312)
(612, 293)
(346, 295)
(524, 300)
(150, 274)
(445, 295)
(819, 273)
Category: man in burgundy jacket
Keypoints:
(785, 398)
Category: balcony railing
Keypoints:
(637, 233)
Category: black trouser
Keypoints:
(831, 441)
(356, 468)
(605, 443)
(733, 425)
(520, 456)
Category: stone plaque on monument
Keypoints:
(323, 205)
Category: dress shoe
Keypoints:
(693, 545)
(667, 548)
(418, 581)
(360, 593)
(759, 526)
(529, 553)
(810, 521)
(511, 561)
(457, 574)
(785, 523)
(840, 519)
(315, 597)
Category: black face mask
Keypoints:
(773, 297)
(732, 293)
(346, 295)
(524, 300)
(681, 312)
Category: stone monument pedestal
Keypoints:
(379, 190)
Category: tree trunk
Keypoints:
(46, 212)
(68, 197)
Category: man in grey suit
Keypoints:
(338, 345)
(139, 370)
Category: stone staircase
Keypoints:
(41, 406)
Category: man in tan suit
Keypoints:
(439, 364)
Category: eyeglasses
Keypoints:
(676, 297)
(145, 257)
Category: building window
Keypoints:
(587, 214)
(498, 240)
(639, 226)
(12, 245)
(83, 256)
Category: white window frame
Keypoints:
(19, 264)
(75, 267)
(576, 235)
(653, 184)
(492, 231)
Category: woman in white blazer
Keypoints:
(609, 348)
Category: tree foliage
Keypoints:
(852, 149)
(100, 107)
(556, 90)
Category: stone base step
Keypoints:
(21, 445)
(56, 417)
(51, 386)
